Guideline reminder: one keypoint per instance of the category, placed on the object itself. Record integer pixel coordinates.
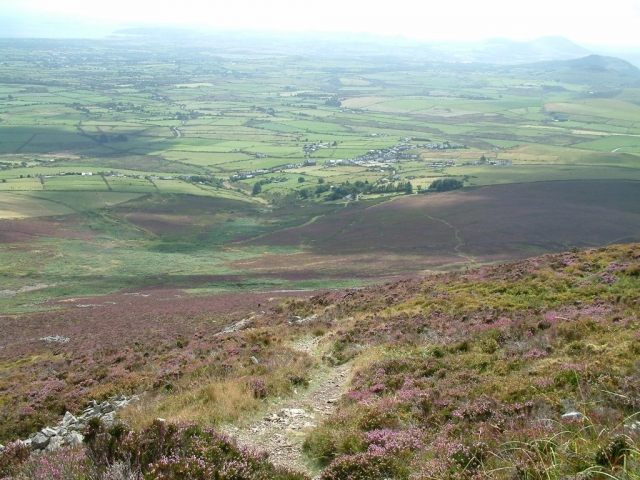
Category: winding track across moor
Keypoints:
(281, 430)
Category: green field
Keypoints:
(175, 150)
(180, 213)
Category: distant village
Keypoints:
(376, 160)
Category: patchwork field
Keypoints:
(151, 163)
(179, 220)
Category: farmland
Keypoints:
(154, 163)
(185, 214)
(295, 157)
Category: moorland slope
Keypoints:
(526, 370)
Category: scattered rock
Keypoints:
(632, 428)
(69, 430)
(69, 419)
(294, 412)
(55, 443)
(298, 319)
(235, 327)
(40, 441)
(572, 417)
(50, 432)
(108, 418)
(55, 339)
(73, 439)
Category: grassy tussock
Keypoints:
(209, 404)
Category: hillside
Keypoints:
(526, 370)
(593, 70)
(505, 51)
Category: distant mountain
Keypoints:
(505, 51)
(596, 70)
(544, 48)
(558, 46)
(600, 63)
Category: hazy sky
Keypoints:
(611, 22)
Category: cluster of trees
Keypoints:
(333, 102)
(104, 138)
(444, 185)
(358, 187)
(10, 165)
(79, 107)
(257, 187)
(213, 181)
(268, 111)
(187, 116)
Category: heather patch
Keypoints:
(505, 372)
(159, 451)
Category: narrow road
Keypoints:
(177, 132)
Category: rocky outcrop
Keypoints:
(69, 431)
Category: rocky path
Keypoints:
(282, 429)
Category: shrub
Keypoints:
(333, 438)
(614, 453)
(12, 457)
(62, 464)
(362, 466)
(176, 451)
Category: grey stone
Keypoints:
(108, 418)
(69, 430)
(632, 428)
(73, 439)
(572, 417)
(294, 412)
(40, 441)
(69, 419)
(54, 444)
(50, 432)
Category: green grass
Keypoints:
(83, 201)
(219, 116)
(125, 184)
(75, 182)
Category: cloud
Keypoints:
(613, 22)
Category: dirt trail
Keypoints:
(459, 240)
(281, 430)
